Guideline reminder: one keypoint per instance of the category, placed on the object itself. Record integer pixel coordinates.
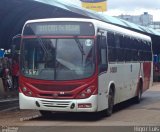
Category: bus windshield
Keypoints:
(57, 59)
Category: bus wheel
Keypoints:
(45, 113)
(139, 94)
(110, 103)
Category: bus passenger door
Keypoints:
(102, 67)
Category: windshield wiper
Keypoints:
(80, 46)
(42, 45)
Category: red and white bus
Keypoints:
(81, 65)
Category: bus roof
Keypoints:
(97, 24)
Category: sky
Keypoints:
(131, 7)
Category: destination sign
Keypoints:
(59, 28)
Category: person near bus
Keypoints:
(15, 74)
(6, 77)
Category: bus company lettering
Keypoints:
(113, 69)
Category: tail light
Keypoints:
(86, 93)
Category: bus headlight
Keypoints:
(82, 95)
(89, 90)
(86, 92)
(30, 93)
(26, 91)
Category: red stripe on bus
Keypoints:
(147, 75)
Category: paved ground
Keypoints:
(9, 100)
(127, 114)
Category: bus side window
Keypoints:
(103, 50)
(111, 47)
(118, 51)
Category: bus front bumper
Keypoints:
(67, 105)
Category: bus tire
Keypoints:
(139, 94)
(109, 110)
(45, 113)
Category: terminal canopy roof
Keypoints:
(14, 13)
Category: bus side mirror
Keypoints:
(103, 42)
(103, 68)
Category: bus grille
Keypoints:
(56, 96)
(56, 104)
(46, 87)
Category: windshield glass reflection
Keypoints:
(58, 59)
